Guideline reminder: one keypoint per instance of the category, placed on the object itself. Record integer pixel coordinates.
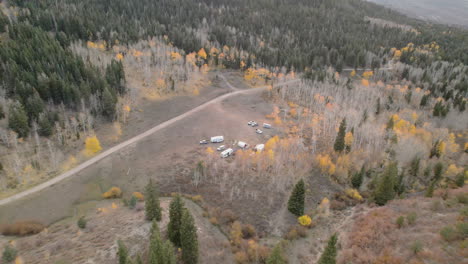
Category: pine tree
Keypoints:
(122, 253)
(156, 246)
(276, 256)
(340, 138)
(152, 206)
(329, 254)
(297, 199)
(108, 103)
(188, 239)
(18, 120)
(430, 189)
(175, 218)
(390, 123)
(356, 180)
(385, 190)
(377, 107)
(438, 168)
(169, 256)
(45, 127)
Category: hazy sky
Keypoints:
(442, 11)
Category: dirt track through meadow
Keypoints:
(133, 140)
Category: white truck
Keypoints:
(259, 147)
(242, 144)
(228, 152)
(265, 125)
(217, 139)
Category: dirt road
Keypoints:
(131, 141)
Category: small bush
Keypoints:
(305, 220)
(9, 254)
(411, 218)
(292, 234)
(22, 228)
(462, 230)
(197, 198)
(132, 203)
(400, 222)
(436, 205)
(416, 247)
(228, 216)
(353, 194)
(139, 196)
(248, 231)
(337, 205)
(81, 222)
(460, 180)
(112, 193)
(241, 257)
(462, 198)
(301, 231)
(448, 233)
(214, 221)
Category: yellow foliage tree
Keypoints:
(271, 143)
(453, 170)
(354, 194)
(325, 164)
(305, 220)
(353, 73)
(202, 53)
(92, 146)
(442, 148)
(139, 196)
(365, 82)
(367, 74)
(452, 145)
(113, 192)
(349, 139)
(397, 54)
(119, 56)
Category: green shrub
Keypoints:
(448, 233)
(416, 247)
(462, 198)
(81, 222)
(460, 180)
(400, 222)
(132, 203)
(462, 229)
(411, 218)
(9, 254)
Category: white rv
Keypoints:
(228, 152)
(217, 139)
(265, 125)
(259, 147)
(242, 144)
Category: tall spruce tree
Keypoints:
(276, 256)
(122, 253)
(297, 199)
(175, 219)
(329, 254)
(339, 145)
(152, 206)
(385, 190)
(169, 256)
(156, 245)
(18, 120)
(188, 239)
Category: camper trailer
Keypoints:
(265, 125)
(228, 152)
(242, 144)
(259, 147)
(217, 139)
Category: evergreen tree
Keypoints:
(188, 239)
(430, 189)
(18, 120)
(390, 123)
(152, 206)
(339, 145)
(156, 245)
(175, 218)
(276, 256)
(45, 127)
(108, 104)
(424, 100)
(122, 253)
(2, 112)
(377, 107)
(438, 168)
(356, 180)
(297, 199)
(385, 190)
(329, 254)
(169, 256)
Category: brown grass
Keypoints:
(22, 228)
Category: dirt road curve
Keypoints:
(130, 141)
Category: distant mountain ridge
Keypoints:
(453, 12)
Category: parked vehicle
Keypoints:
(217, 139)
(258, 131)
(228, 152)
(259, 147)
(252, 123)
(265, 125)
(242, 144)
(204, 141)
(220, 148)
